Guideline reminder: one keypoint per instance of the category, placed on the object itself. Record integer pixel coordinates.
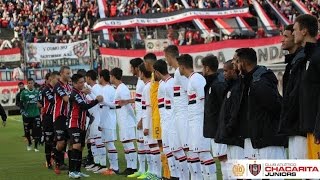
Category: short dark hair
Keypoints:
(229, 64)
(289, 28)
(30, 79)
(172, 50)
(186, 60)
(20, 83)
(75, 78)
(47, 76)
(150, 57)
(144, 71)
(92, 74)
(211, 61)
(54, 73)
(105, 74)
(161, 66)
(136, 62)
(249, 55)
(309, 22)
(63, 68)
(83, 72)
(117, 73)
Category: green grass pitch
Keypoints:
(16, 163)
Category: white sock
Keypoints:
(171, 162)
(133, 159)
(129, 149)
(142, 157)
(208, 165)
(182, 164)
(113, 156)
(148, 158)
(103, 155)
(157, 165)
(194, 165)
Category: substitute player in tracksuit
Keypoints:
(289, 118)
(198, 144)
(260, 109)
(214, 92)
(306, 33)
(77, 124)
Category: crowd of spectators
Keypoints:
(287, 8)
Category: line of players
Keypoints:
(201, 116)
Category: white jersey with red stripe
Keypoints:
(94, 111)
(125, 114)
(180, 92)
(108, 118)
(197, 142)
(196, 95)
(168, 99)
(146, 101)
(147, 114)
(138, 99)
(161, 97)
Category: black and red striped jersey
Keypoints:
(61, 108)
(47, 100)
(78, 109)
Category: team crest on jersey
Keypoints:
(47, 138)
(228, 94)
(76, 140)
(307, 65)
(58, 137)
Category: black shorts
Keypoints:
(77, 136)
(60, 128)
(47, 123)
(34, 124)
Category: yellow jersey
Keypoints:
(156, 127)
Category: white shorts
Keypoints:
(295, 152)
(108, 135)
(270, 152)
(182, 128)
(249, 152)
(235, 152)
(140, 135)
(127, 134)
(165, 135)
(218, 149)
(197, 143)
(148, 140)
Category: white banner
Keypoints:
(273, 169)
(158, 19)
(37, 52)
(268, 52)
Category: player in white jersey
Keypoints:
(153, 167)
(198, 144)
(178, 133)
(165, 96)
(108, 122)
(126, 121)
(142, 148)
(97, 146)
